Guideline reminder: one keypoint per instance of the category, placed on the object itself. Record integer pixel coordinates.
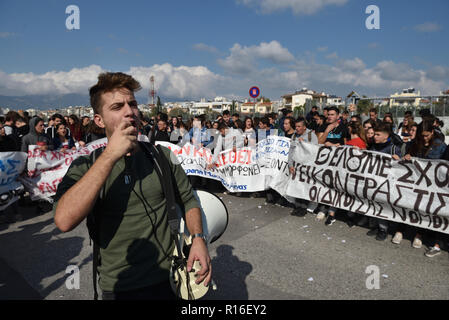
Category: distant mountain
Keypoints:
(44, 102)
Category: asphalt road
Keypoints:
(264, 254)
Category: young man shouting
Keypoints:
(134, 235)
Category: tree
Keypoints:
(175, 112)
(264, 99)
(363, 106)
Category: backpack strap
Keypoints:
(163, 169)
(93, 221)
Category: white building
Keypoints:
(334, 101)
(408, 97)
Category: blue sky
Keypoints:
(222, 47)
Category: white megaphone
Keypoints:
(214, 216)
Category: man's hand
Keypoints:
(396, 157)
(82, 144)
(332, 126)
(210, 166)
(122, 141)
(408, 157)
(199, 251)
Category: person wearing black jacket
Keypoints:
(161, 133)
(7, 142)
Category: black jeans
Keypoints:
(161, 291)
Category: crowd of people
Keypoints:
(330, 128)
(19, 131)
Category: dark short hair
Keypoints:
(265, 121)
(383, 127)
(334, 109)
(226, 112)
(301, 119)
(108, 82)
(57, 116)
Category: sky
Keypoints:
(206, 48)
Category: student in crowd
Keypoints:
(235, 117)
(227, 118)
(289, 127)
(36, 136)
(357, 140)
(55, 119)
(382, 143)
(336, 134)
(62, 141)
(321, 125)
(199, 134)
(162, 131)
(373, 116)
(85, 121)
(94, 132)
(426, 145)
(10, 118)
(407, 114)
(7, 142)
(249, 133)
(404, 131)
(75, 129)
(309, 116)
(302, 134)
(357, 135)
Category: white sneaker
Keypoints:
(417, 243)
(397, 238)
(432, 252)
(320, 216)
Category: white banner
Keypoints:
(11, 166)
(414, 192)
(369, 183)
(47, 168)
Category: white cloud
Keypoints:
(336, 76)
(77, 80)
(179, 82)
(438, 73)
(243, 60)
(298, 7)
(428, 27)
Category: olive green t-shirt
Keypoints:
(134, 238)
